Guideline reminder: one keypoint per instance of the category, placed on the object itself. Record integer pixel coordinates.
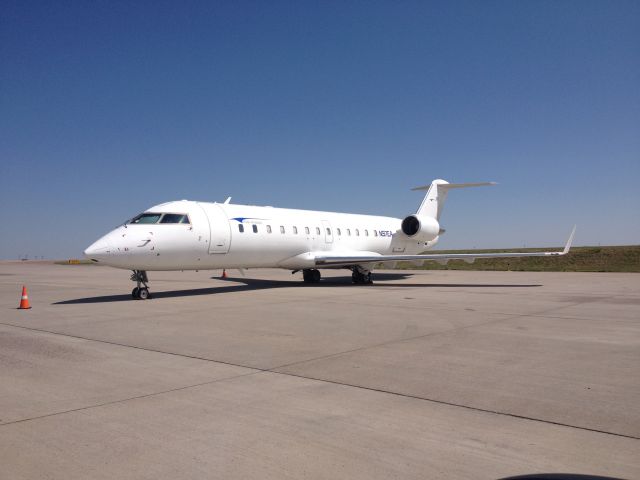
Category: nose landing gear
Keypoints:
(141, 292)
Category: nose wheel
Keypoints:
(141, 291)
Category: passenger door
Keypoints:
(219, 228)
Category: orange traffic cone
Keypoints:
(224, 273)
(24, 301)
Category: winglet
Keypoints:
(569, 242)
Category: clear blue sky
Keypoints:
(107, 108)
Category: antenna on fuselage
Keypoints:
(227, 201)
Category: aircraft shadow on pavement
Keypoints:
(241, 284)
(559, 476)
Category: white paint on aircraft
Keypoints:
(188, 235)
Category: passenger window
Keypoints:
(328, 231)
(357, 232)
(240, 227)
(281, 229)
(375, 233)
(317, 230)
(338, 230)
(349, 232)
(366, 233)
(146, 218)
(306, 230)
(295, 230)
(255, 228)
(172, 218)
(268, 228)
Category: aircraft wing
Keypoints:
(370, 257)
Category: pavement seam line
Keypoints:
(400, 340)
(123, 400)
(430, 334)
(458, 405)
(275, 370)
(124, 345)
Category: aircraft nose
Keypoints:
(98, 249)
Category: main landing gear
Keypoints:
(311, 275)
(361, 276)
(141, 292)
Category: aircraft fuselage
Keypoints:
(243, 236)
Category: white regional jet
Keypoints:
(188, 235)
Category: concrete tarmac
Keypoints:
(438, 374)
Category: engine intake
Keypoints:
(420, 228)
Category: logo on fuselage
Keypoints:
(242, 219)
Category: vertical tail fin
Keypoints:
(433, 201)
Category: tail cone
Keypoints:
(24, 301)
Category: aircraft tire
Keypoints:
(143, 294)
(311, 275)
(315, 276)
(361, 278)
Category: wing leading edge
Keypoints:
(355, 259)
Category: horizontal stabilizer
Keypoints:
(436, 195)
(448, 186)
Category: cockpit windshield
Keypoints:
(160, 218)
(174, 218)
(146, 218)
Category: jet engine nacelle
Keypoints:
(421, 228)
